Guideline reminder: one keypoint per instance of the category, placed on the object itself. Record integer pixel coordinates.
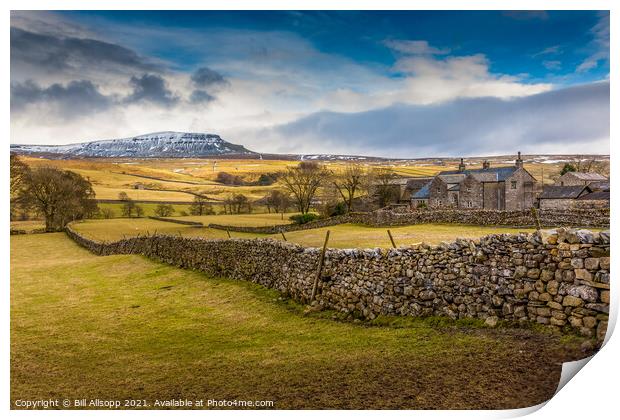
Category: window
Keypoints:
(470, 204)
(513, 185)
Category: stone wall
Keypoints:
(558, 278)
(517, 218)
(595, 217)
(180, 222)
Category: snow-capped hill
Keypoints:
(154, 145)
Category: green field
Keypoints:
(341, 236)
(123, 326)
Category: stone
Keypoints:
(576, 263)
(604, 263)
(552, 287)
(545, 297)
(557, 322)
(542, 320)
(583, 274)
(589, 321)
(572, 301)
(533, 273)
(491, 321)
(605, 296)
(591, 263)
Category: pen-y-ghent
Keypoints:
(306, 210)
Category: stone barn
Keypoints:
(579, 178)
(561, 197)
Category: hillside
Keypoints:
(167, 144)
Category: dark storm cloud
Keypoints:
(201, 97)
(151, 88)
(78, 97)
(47, 53)
(205, 77)
(556, 120)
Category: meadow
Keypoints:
(341, 236)
(122, 326)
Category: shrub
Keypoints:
(301, 219)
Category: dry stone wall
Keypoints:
(556, 277)
(595, 217)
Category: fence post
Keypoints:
(536, 218)
(320, 268)
(282, 233)
(391, 239)
(228, 232)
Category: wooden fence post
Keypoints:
(320, 268)
(536, 218)
(228, 232)
(391, 239)
(282, 233)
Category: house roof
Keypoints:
(596, 195)
(587, 176)
(454, 187)
(424, 192)
(567, 192)
(454, 177)
(599, 185)
(499, 173)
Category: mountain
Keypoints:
(167, 144)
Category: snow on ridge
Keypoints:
(160, 144)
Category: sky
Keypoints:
(381, 83)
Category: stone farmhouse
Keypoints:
(493, 188)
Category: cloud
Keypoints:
(555, 49)
(552, 64)
(47, 53)
(558, 121)
(415, 47)
(201, 97)
(600, 44)
(205, 77)
(430, 80)
(76, 98)
(151, 88)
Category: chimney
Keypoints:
(462, 166)
(486, 164)
(519, 161)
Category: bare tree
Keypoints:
(60, 196)
(382, 180)
(164, 210)
(303, 181)
(199, 206)
(18, 171)
(352, 180)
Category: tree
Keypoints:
(568, 167)
(382, 181)
(303, 181)
(277, 200)
(18, 172)
(229, 179)
(129, 206)
(60, 196)
(107, 213)
(164, 210)
(200, 206)
(350, 182)
(139, 211)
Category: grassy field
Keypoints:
(122, 327)
(115, 229)
(258, 219)
(341, 236)
(27, 225)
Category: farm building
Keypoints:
(562, 197)
(579, 178)
(495, 188)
